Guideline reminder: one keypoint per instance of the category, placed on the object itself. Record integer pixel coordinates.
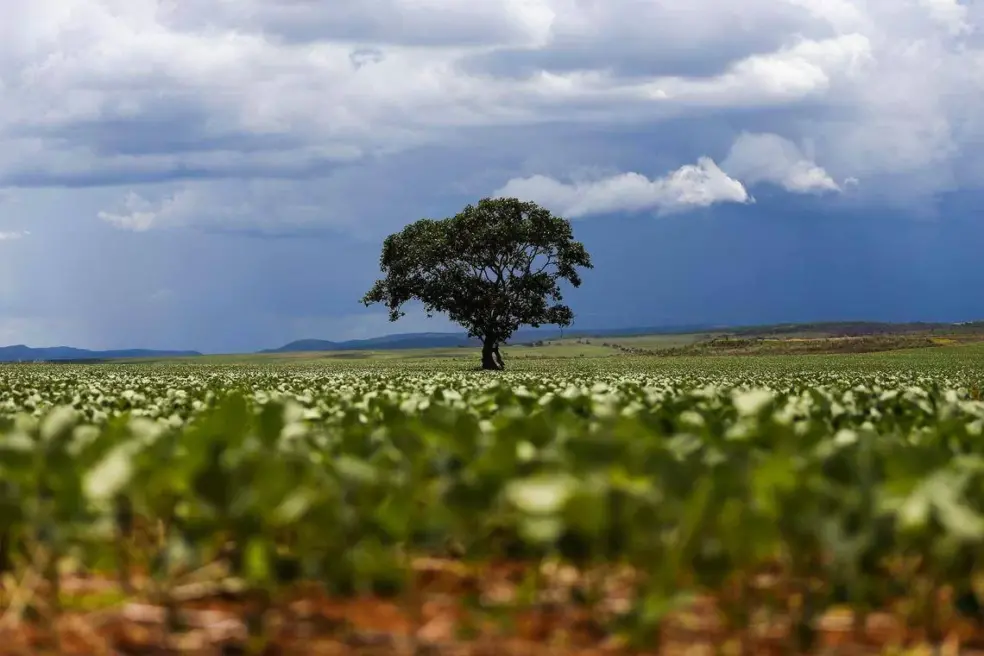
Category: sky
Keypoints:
(219, 175)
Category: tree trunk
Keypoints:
(490, 349)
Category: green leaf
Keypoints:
(541, 495)
(111, 475)
(542, 530)
(256, 560)
(293, 508)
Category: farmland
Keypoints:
(612, 504)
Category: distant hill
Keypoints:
(302, 345)
(858, 328)
(22, 353)
(404, 341)
(451, 340)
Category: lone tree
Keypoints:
(492, 268)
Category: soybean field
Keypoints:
(609, 505)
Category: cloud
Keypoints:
(647, 39)
(843, 15)
(757, 158)
(688, 187)
(262, 103)
(254, 206)
(389, 22)
(101, 92)
(754, 158)
(792, 73)
(140, 214)
(950, 14)
(13, 235)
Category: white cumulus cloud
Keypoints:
(691, 186)
(757, 158)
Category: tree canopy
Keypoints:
(491, 268)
